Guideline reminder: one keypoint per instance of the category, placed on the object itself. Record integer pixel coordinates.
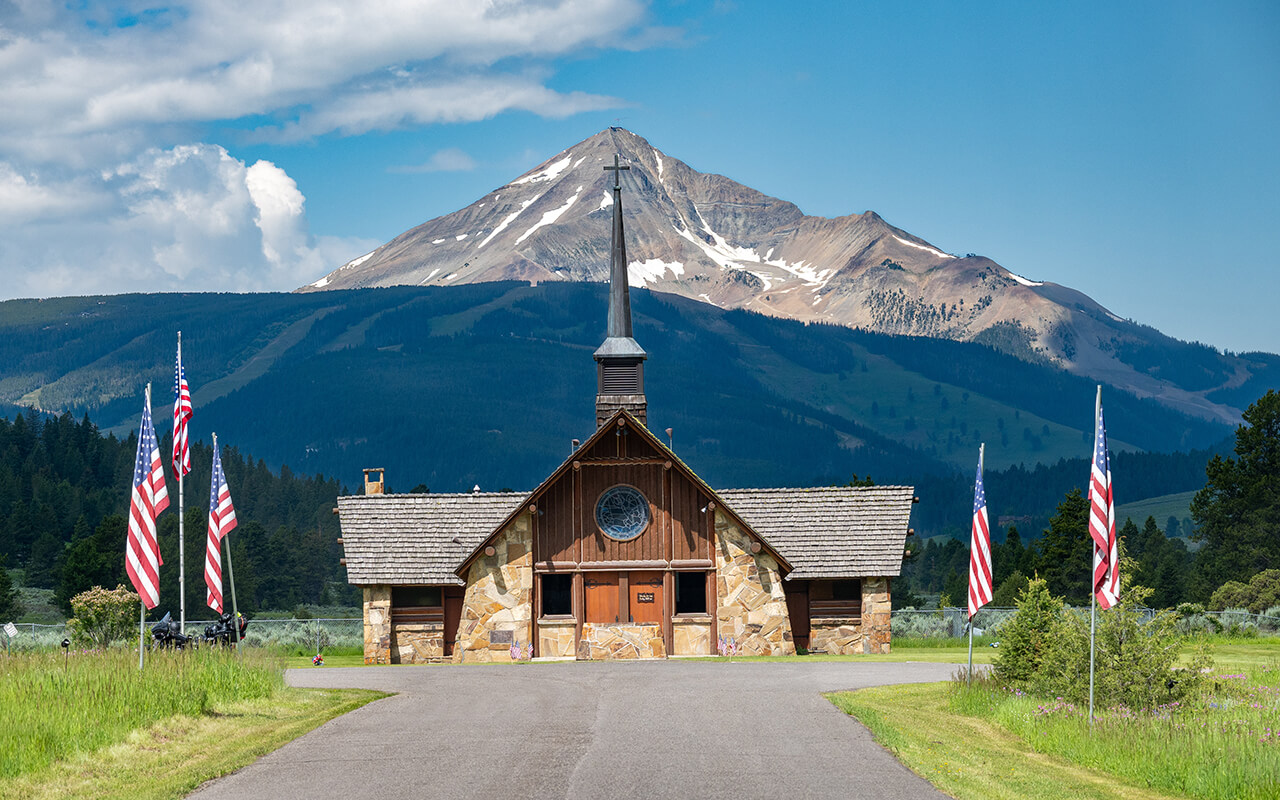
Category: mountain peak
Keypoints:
(709, 238)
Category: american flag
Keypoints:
(1102, 520)
(181, 416)
(149, 497)
(980, 587)
(222, 518)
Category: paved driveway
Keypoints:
(678, 729)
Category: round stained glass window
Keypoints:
(622, 513)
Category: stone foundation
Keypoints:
(613, 641)
(377, 624)
(556, 638)
(752, 604)
(691, 636)
(417, 643)
(836, 636)
(496, 610)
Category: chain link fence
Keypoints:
(949, 623)
(305, 635)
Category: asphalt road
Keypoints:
(677, 729)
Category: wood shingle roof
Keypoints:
(844, 532)
(405, 539)
(830, 532)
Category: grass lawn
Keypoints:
(169, 759)
(89, 724)
(988, 742)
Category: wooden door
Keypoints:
(644, 595)
(798, 611)
(601, 589)
(453, 596)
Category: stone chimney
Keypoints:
(373, 480)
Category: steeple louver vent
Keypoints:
(621, 378)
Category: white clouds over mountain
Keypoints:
(107, 179)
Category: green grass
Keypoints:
(172, 757)
(970, 757)
(1162, 507)
(990, 742)
(56, 707)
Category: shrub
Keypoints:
(102, 616)
(1261, 592)
(1025, 639)
(1134, 659)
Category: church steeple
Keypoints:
(619, 360)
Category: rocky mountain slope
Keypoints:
(712, 239)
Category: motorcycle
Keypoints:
(222, 632)
(168, 634)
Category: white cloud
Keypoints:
(450, 159)
(184, 219)
(103, 190)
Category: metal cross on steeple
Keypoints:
(617, 173)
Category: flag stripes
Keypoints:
(181, 416)
(147, 499)
(980, 583)
(222, 518)
(1102, 520)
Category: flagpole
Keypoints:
(142, 603)
(1093, 595)
(981, 449)
(182, 522)
(231, 576)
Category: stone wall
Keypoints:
(691, 636)
(836, 636)
(555, 638)
(414, 643)
(752, 605)
(377, 624)
(875, 615)
(614, 641)
(497, 608)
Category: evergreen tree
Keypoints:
(9, 607)
(1066, 550)
(1237, 513)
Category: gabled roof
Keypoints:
(406, 539)
(635, 425)
(837, 532)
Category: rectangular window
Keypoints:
(415, 596)
(557, 595)
(691, 592)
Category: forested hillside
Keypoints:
(64, 497)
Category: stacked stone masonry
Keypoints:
(617, 642)
(496, 610)
(752, 612)
(691, 636)
(556, 638)
(377, 625)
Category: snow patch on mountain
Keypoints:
(1024, 281)
(924, 247)
(437, 241)
(605, 202)
(551, 216)
(508, 220)
(658, 156)
(652, 270)
(548, 174)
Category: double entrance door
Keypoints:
(624, 598)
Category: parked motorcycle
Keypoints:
(168, 634)
(222, 632)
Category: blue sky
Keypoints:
(1126, 150)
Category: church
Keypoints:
(623, 552)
